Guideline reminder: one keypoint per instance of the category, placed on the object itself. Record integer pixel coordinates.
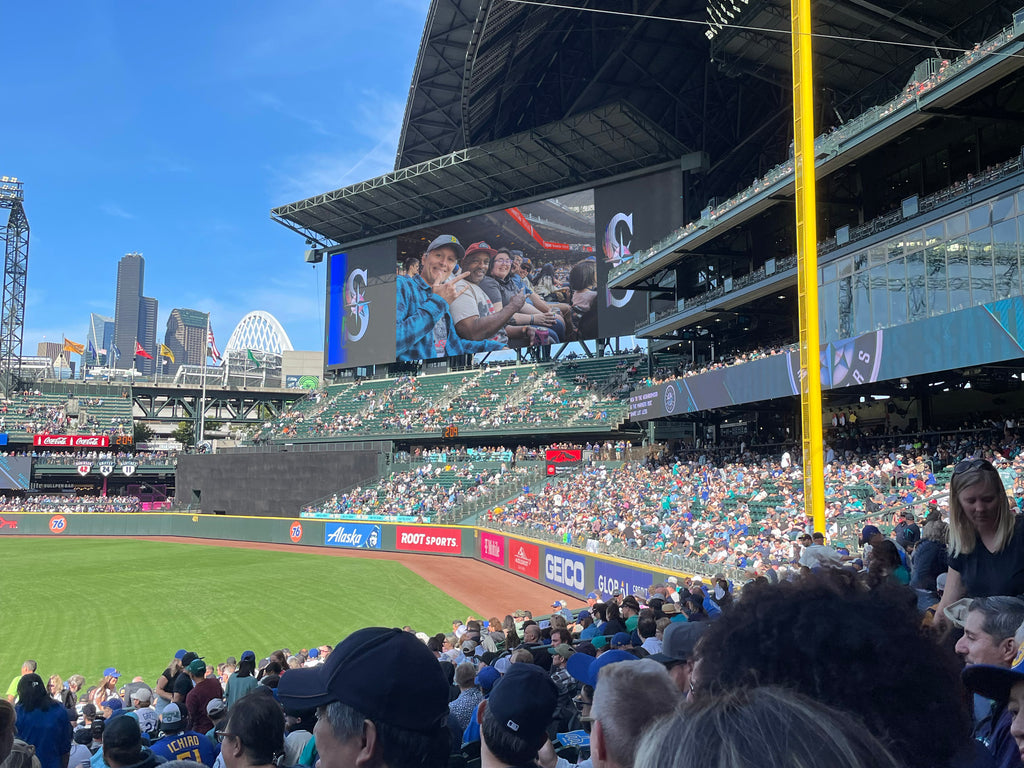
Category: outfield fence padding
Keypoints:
(565, 569)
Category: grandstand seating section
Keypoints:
(514, 398)
(23, 415)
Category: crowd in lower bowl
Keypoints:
(825, 668)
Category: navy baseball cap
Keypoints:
(251, 655)
(868, 532)
(413, 695)
(586, 668)
(620, 639)
(994, 682)
(523, 701)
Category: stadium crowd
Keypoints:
(428, 493)
(826, 667)
(737, 509)
(838, 135)
(65, 504)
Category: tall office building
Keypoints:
(186, 338)
(134, 316)
(101, 334)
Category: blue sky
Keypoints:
(173, 129)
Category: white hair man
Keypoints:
(628, 698)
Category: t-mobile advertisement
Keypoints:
(361, 306)
(421, 538)
(630, 217)
(492, 548)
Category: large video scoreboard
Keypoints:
(571, 241)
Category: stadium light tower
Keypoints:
(12, 311)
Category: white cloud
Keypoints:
(272, 102)
(375, 125)
(115, 210)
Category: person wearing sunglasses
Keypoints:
(986, 539)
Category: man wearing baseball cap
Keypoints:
(514, 718)
(381, 700)
(1005, 687)
(424, 325)
(677, 651)
(474, 313)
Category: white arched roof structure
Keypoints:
(259, 330)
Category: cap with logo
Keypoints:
(480, 247)
(992, 682)
(447, 240)
(523, 701)
(171, 718)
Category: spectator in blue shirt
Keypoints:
(424, 325)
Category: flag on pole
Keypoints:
(116, 351)
(165, 351)
(92, 351)
(70, 346)
(141, 352)
(211, 347)
(252, 358)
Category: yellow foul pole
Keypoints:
(807, 265)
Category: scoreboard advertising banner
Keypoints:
(528, 275)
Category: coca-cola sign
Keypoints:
(71, 441)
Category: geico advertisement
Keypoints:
(564, 570)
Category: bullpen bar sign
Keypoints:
(71, 441)
(351, 535)
(492, 548)
(425, 538)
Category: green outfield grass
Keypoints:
(80, 605)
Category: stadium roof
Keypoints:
(603, 143)
(503, 89)
(491, 68)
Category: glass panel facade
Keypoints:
(966, 259)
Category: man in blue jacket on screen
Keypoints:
(424, 328)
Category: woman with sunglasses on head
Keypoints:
(986, 539)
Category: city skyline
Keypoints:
(181, 159)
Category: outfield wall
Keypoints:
(571, 571)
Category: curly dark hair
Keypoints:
(827, 637)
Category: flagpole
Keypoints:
(202, 400)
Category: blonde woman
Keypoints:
(986, 539)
